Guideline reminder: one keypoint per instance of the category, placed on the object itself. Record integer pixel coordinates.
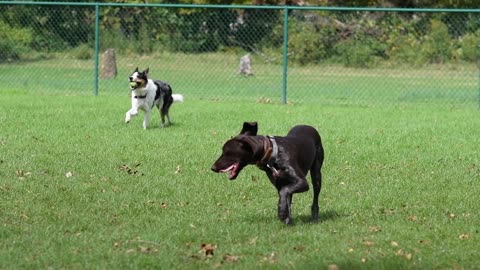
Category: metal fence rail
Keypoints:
(325, 55)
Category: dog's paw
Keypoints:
(288, 221)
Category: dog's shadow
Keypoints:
(324, 217)
(300, 219)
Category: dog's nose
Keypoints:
(214, 168)
(130, 78)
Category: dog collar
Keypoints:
(140, 97)
(270, 154)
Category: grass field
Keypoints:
(82, 190)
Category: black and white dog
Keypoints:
(147, 93)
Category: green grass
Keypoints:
(400, 187)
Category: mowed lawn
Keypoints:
(82, 190)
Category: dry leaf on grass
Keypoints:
(230, 258)
(368, 243)
(178, 169)
(270, 258)
(208, 249)
(69, 174)
(131, 171)
(464, 236)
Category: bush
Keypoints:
(437, 46)
(13, 42)
(309, 45)
(83, 52)
(469, 47)
(360, 50)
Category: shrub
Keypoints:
(469, 47)
(13, 42)
(83, 52)
(437, 45)
(360, 50)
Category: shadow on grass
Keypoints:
(324, 217)
(297, 219)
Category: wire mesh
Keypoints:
(333, 56)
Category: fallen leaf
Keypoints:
(368, 243)
(131, 250)
(394, 244)
(69, 174)
(408, 256)
(270, 258)
(147, 250)
(163, 205)
(375, 229)
(412, 218)
(253, 241)
(299, 248)
(177, 170)
(464, 236)
(230, 258)
(208, 249)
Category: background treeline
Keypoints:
(359, 39)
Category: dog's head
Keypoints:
(138, 79)
(239, 151)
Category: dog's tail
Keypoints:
(177, 97)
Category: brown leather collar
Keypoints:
(270, 151)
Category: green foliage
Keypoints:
(436, 47)
(469, 46)
(13, 42)
(82, 52)
(309, 43)
(354, 39)
(360, 50)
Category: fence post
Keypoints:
(285, 52)
(97, 41)
(478, 67)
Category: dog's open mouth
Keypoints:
(134, 85)
(233, 169)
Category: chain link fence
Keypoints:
(252, 53)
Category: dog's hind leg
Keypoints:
(316, 175)
(163, 114)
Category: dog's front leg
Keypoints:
(285, 199)
(146, 119)
(129, 114)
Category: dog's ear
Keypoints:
(253, 144)
(136, 70)
(146, 71)
(249, 128)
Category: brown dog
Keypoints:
(286, 161)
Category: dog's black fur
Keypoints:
(286, 161)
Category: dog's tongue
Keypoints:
(230, 169)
